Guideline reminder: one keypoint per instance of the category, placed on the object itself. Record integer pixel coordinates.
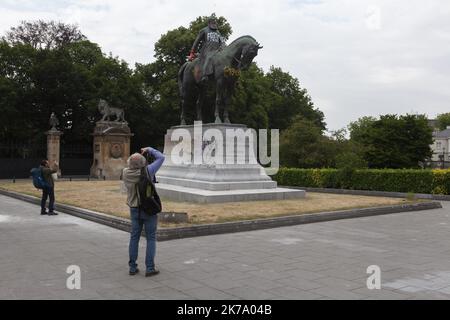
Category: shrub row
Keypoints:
(393, 180)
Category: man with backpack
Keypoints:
(144, 203)
(48, 187)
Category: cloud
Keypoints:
(355, 57)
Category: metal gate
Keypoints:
(16, 160)
(75, 159)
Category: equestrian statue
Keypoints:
(212, 61)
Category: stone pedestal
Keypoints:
(111, 149)
(53, 146)
(215, 163)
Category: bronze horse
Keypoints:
(227, 63)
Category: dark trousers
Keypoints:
(48, 192)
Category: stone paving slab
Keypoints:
(325, 260)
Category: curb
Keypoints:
(165, 234)
(425, 196)
(115, 222)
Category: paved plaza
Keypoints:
(315, 261)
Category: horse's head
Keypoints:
(249, 52)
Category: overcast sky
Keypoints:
(355, 57)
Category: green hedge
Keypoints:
(406, 180)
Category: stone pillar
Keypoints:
(111, 149)
(53, 146)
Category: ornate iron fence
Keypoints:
(16, 160)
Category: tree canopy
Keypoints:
(443, 120)
(44, 35)
(68, 80)
(393, 141)
(303, 145)
(50, 67)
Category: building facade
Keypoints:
(441, 148)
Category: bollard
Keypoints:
(14, 179)
(104, 178)
(70, 179)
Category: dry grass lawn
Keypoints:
(106, 197)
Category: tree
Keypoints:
(303, 145)
(288, 100)
(348, 154)
(15, 88)
(44, 35)
(250, 100)
(69, 81)
(443, 120)
(350, 160)
(260, 101)
(174, 46)
(360, 127)
(51, 67)
(393, 141)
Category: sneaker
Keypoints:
(151, 273)
(44, 213)
(52, 213)
(134, 272)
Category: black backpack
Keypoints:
(149, 201)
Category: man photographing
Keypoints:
(139, 218)
(49, 190)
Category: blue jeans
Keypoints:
(48, 192)
(138, 221)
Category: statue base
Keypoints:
(111, 149)
(215, 163)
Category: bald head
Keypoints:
(136, 161)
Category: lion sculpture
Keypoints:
(108, 111)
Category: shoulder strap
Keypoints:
(146, 172)
(137, 193)
(151, 181)
(136, 187)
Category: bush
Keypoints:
(441, 182)
(347, 163)
(392, 180)
(403, 180)
(316, 178)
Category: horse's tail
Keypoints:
(180, 78)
